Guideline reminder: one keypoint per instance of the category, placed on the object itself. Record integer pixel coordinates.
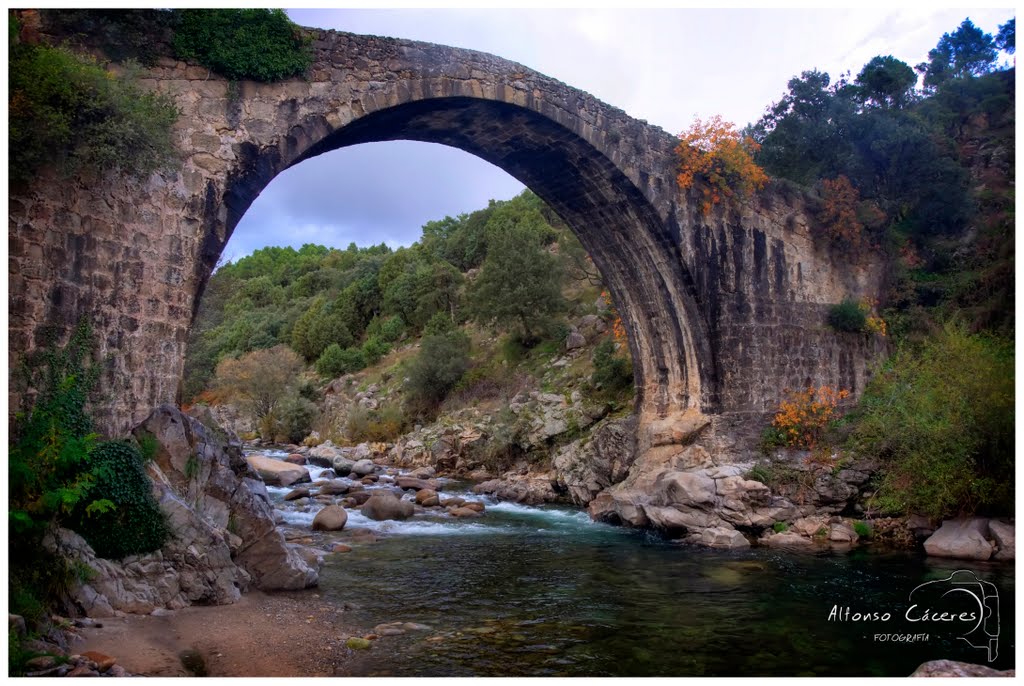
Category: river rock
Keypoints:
(359, 497)
(453, 502)
(334, 487)
(301, 492)
(788, 541)
(474, 505)
(331, 518)
(1003, 534)
(963, 539)
(427, 472)
(424, 495)
(951, 668)
(278, 472)
(357, 643)
(295, 458)
(723, 537)
(463, 512)
(341, 548)
(103, 662)
(381, 506)
(408, 483)
(529, 489)
(363, 467)
(842, 532)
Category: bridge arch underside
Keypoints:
(621, 231)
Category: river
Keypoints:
(543, 591)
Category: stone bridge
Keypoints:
(722, 311)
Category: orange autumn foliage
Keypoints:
(840, 200)
(715, 152)
(618, 328)
(803, 416)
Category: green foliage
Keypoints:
(519, 285)
(779, 527)
(374, 349)
(336, 361)
(440, 364)
(148, 446)
(67, 111)
(256, 44)
(772, 437)
(847, 316)
(131, 522)
(387, 329)
(293, 418)
(1006, 39)
(941, 418)
(968, 51)
(384, 424)
(862, 529)
(122, 34)
(322, 325)
(886, 82)
(612, 372)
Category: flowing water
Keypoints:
(543, 591)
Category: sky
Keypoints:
(665, 66)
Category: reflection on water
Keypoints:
(544, 592)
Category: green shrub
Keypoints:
(613, 373)
(66, 110)
(773, 437)
(940, 416)
(387, 330)
(293, 418)
(131, 523)
(335, 361)
(384, 424)
(779, 527)
(847, 316)
(256, 44)
(862, 529)
(441, 362)
(374, 349)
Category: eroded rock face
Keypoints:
(1003, 534)
(203, 468)
(586, 467)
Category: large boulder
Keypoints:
(382, 506)
(963, 539)
(1004, 537)
(409, 483)
(331, 518)
(204, 469)
(278, 472)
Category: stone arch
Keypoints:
(611, 216)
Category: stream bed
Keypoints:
(543, 591)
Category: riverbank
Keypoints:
(261, 635)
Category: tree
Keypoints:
(1005, 39)
(519, 284)
(260, 378)
(968, 51)
(886, 82)
(717, 153)
(441, 363)
(804, 136)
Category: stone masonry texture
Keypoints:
(723, 311)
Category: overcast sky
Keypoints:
(665, 66)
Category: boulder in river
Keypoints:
(295, 458)
(424, 495)
(334, 487)
(463, 512)
(363, 468)
(278, 472)
(409, 483)
(300, 492)
(1004, 536)
(331, 518)
(381, 506)
(951, 668)
(963, 539)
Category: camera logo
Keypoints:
(966, 603)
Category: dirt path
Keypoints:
(288, 634)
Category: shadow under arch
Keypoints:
(674, 365)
